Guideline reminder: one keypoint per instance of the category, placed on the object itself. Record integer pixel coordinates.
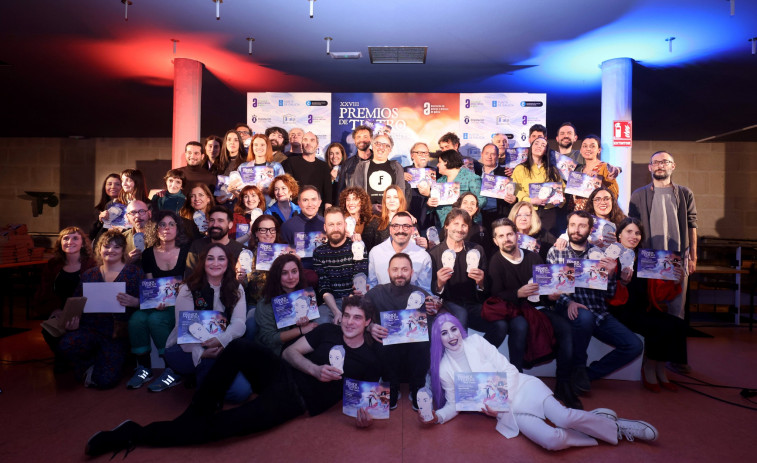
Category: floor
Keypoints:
(47, 417)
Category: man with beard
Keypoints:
(566, 137)
(669, 216)
(307, 221)
(376, 174)
(219, 219)
(412, 356)
(295, 141)
(400, 240)
(279, 140)
(308, 169)
(362, 136)
(195, 171)
(587, 311)
(510, 270)
(138, 215)
(335, 263)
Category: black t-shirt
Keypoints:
(380, 176)
(361, 364)
(149, 265)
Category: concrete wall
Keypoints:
(723, 177)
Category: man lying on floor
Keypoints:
(305, 382)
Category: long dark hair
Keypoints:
(626, 222)
(273, 282)
(151, 235)
(229, 284)
(256, 224)
(86, 247)
(553, 175)
(140, 188)
(224, 159)
(104, 198)
(616, 214)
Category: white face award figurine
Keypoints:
(114, 212)
(425, 403)
(435, 193)
(614, 250)
(545, 192)
(358, 249)
(245, 260)
(199, 332)
(139, 241)
(350, 223)
(201, 221)
(255, 213)
(535, 297)
(627, 258)
(301, 308)
(472, 258)
(415, 300)
(448, 258)
(432, 234)
(596, 254)
(336, 358)
(360, 282)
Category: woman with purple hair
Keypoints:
(530, 401)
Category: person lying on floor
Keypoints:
(305, 382)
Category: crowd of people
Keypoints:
(384, 242)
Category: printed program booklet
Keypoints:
(404, 326)
(372, 396)
(554, 278)
(267, 253)
(551, 191)
(496, 186)
(565, 164)
(259, 176)
(474, 390)
(242, 230)
(196, 326)
(156, 291)
(421, 174)
(288, 308)
(657, 264)
(528, 243)
(602, 233)
(580, 184)
(589, 273)
(306, 242)
(446, 192)
(515, 156)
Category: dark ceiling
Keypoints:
(76, 68)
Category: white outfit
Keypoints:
(235, 329)
(378, 264)
(531, 402)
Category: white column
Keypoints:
(187, 96)
(616, 106)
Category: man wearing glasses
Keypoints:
(376, 175)
(138, 215)
(400, 240)
(416, 203)
(669, 216)
(245, 132)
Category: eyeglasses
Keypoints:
(243, 132)
(523, 216)
(605, 199)
(378, 144)
(163, 226)
(663, 163)
(403, 226)
(420, 153)
(136, 213)
(267, 231)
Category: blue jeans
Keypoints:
(610, 331)
(181, 362)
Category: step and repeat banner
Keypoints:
(408, 117)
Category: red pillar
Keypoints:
(187, 95)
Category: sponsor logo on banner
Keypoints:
(466, 120)
(289, 119)
(621, 133)
(503, 120)
(531, 104)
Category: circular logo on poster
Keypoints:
(379, 181)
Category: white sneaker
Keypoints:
(636, 429)
(605, 412)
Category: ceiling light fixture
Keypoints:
(249, 43)
(398, 55)
(328, 44)
(670, 44)
(218, 9)
(126, 9)
(311, 8)
(341, 54)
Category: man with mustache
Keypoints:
(400, 233)
(586, 309)
(219, 219)
(362, 136)
(668, 214)
(279, 140)
(510, 270)
(139, 217)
